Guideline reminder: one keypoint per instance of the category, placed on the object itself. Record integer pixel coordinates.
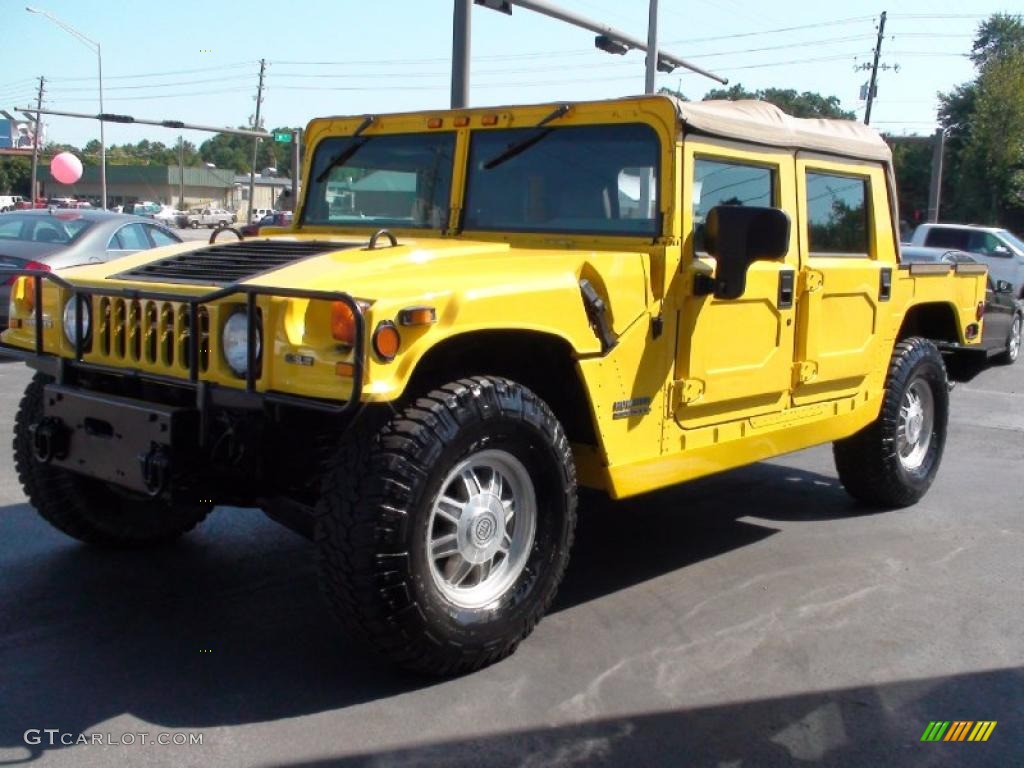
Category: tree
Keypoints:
(912, 161)
(14, 175)
(984, 124)
(806, 104)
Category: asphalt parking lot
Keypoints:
(755, 618)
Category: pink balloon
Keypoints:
(66, 168)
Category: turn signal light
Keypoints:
(386, 341)
(345, 369)
(980, 311)
(434, 122)
(489, 120)
(417, 316)
(461, 122)
(971, 331)
(343, 321)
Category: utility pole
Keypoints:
(256, 142)
(652, 47)
(296, 167)
(181, 172)
(935, 185)
(460, 53)
(37, 136)
(874, 69)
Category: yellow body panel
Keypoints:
(695, 384)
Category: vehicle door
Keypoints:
(987, 248)
(733, 357)
(158, 236)
(848, 253)
(1000, 307)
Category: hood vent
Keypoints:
(230, 262)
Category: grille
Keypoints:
(230, 262)
(156, 333)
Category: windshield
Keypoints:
(1015, 241)
(597, 179)
(401, 180)
(59, 229)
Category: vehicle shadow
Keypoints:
(227, 626)
(868, 725)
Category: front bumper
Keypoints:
(207, 393)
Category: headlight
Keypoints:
(69, 318)
(234, 342)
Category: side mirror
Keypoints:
(1004, 286)
(1002, 250)
(737, 236)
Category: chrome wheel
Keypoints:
(1013, 345)
(481, 528)
(916, 422)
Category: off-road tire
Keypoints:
(868, 462)
(1009, 356)
(87, 509)
(372, 524)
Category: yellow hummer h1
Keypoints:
(474, 312)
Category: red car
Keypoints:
(41, 202)
(280, 219)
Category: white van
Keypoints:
(9, 202)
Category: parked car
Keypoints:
(24, 205)
(1000, 249)
(214, 218)
(169, 216)
(1004, 315)
(261, 213)
(61, 238)
(9, 202)
(277, 219)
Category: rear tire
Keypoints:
(194, 224)
(444, 530)
(1012, 342)
(892, 462)
(87, 509)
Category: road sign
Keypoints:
(284, 137)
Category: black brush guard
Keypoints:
(206, 392)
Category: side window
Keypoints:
(716, 182)
(837, 214)
(984, 242)
(131, 237)
(942, 237)
(160, 237)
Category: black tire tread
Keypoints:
(68, 502)
(866, 461)
(364, 491)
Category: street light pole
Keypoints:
(652, 47)
(99, 59)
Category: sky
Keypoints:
(199, 61)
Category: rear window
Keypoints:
(592, 179)
(59, 229)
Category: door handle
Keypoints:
(787, 280)
(885, 284)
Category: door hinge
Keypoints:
(811, 281)
(686, 391)
(805, 372)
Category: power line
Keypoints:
(157, 85)
(157, 74)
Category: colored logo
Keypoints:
(958, 730)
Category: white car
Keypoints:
(210, 217)
(9, 202)
(1000, 249)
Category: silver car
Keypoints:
(57, 238)
(999, 249)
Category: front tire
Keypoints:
(444, 530)
(87, 509)
(892, 462)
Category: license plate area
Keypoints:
(110, 438)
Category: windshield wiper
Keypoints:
(521, 146)
(353, 146)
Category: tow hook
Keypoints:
(156, 468)
(49, 439)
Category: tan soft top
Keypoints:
(764, 123)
